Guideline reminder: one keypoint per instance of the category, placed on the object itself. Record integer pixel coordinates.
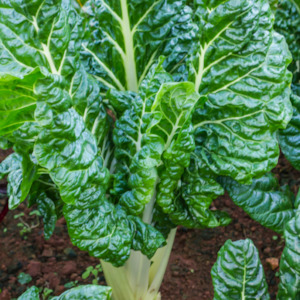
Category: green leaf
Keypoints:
(80, 176)
(129, 135)
(192, 198)
(24, 278)
(86, 292)
(31, 294)
(47, 209)
(170, 112)
(16, 107)
(240, 66)
(273, 4)
(289, 287)
(87, 102)
(127, 37)
(12, 168)
(287, 23)
(144, 232)
(20, 172)
(289, 138)
(238, 273)
(264, 200)
(29, 175)
(10, 164)
(86, 274)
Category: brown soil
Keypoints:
(55, 262)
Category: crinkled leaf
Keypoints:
(10, 164)
(289, 138)
(240, 66)
(46, 196)
(127, 37)
(86, 292)
(47, 209)
(87, 101)
(29, 175)
(83, 292)
(273, 4)
(12, 168)
(170, 112)
(21, 173)
(31, 294)
(238, 273)
(144, 232)
(287, 23)
(264, 200)
(17, 106)
(77, 169)
(190, 203)
(289, 287)
(129, 135)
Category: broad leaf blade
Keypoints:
(17, 106)
(238, 273)
(289, 287)
(241, 68)
(31, 294)
(86, 292)
(127, 37)
(287, 23)
(263, 200)
(289, 138)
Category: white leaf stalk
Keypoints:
(140, 278)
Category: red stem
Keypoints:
(4, 211)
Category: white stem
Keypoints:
(139, 279)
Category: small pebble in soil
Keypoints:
(273, 262)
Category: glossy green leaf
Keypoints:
(10, 164)
(21, 173)
(47, 209)
(238, 273)
(86, 292)
(289, 287)
(264, 200)
(129, 135)
(287, 23)
(144, 232)
(191, 201)
(16, 107)
(93, 223)
(289, 138)
(126, 38)
(31, 294)
(170, 113)
(29, 175)
(87, 102)
(46, 196)
(273, 4)
(240, 67)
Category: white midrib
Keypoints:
(46, 48)
(244, 281)
(129, 59)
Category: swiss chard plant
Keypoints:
(123, 115)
